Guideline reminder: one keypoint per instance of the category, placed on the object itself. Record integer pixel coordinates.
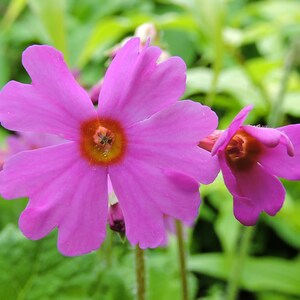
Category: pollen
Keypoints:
(243, 151)
(103, 141)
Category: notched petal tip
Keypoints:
(31, 53)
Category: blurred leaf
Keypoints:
(14, 9)
(180, 43)
(291, 104)
(4, 63)
(287, 222)
(107, 33)
(104, 34)
(259, 274)
(260, 67)
(233, 81)
(52, 15)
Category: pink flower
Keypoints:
(31, 140)
(140, 135)
(250, 159)
(22, 141)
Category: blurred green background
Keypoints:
(237, 53)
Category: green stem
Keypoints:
(276, 114)
(239, 262)
(213, 88)
(182, 261)
(140, 273)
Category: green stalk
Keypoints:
(182, 260)
(239, 263)
(276, 114)
(140, 273)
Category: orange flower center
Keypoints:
(242, 151)
(103, 141)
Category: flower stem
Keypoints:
(239, 262)
(181, 258)
(276, 114)
(140, 273)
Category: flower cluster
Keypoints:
(154, 148)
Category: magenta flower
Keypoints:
(22, 141)
(31, 140)
(141, 135)
(251, 158)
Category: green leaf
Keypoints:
(291, 104)
(4, 63)
(107, 33)
(13, 11)
(259, 274)
(35, 270)
(232, 81)
(52, 16)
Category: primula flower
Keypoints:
(250, 158)
(140, 135)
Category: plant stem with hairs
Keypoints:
(181, 259)
(140, 273)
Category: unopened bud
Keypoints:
(146, 31)
(95, 91)
(116, 218)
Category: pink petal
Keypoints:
(135, 86)
(277, 161)
(270, 137)
(253, 192)
(146, 194)
(170, 139)
(227, 135)
(25, 172)
(53, 103)
(84, 229)
(64, 192)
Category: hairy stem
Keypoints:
(181, 259)
(140, 273)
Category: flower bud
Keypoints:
(146, 31)
(116, 219)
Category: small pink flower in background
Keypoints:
(31, 140)
(251, 158)
(140, 135)
(22, 141)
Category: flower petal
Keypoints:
(170, 139)
(24, 172)
(64, 192)
(84, 229)
(53, 103)
(135, 86)
(146, 194)
(227, 135)
(253, 192)
(270, 137)
(277, 161)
